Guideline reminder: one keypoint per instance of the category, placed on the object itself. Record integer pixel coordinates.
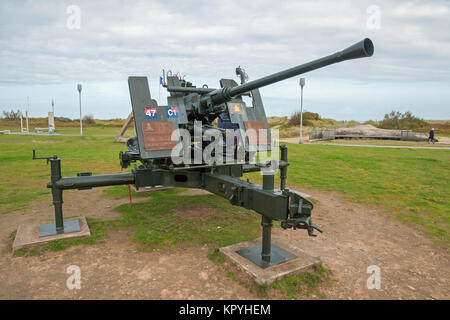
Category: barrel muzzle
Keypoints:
(361, 49)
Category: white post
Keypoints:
(21, 122)
(26, 114)
(81, 122)
(302, 84)
(51, 122)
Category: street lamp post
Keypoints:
(302, 84)
(81, 122)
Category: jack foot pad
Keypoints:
(50, 229)
(277, 255)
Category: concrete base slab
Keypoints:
(28, 235)
(304, 195)
(300, 263)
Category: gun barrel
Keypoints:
(361, 49)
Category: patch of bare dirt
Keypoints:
(443, 140)
(295, 139)
(193, 192)
(117, 270)
(197, 212)
(355, 237)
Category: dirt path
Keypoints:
(116, 270)
(378, 146)
(355, 237)
(443, 144)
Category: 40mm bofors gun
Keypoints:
(178, 145)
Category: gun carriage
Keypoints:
(166, 134)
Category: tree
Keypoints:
(11, 115)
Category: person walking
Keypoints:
(431, 136)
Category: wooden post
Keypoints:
(120, 136)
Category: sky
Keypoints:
(48, 47)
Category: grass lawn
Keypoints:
(24, 180)
(411, 185)
(444, 134)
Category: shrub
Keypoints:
(294, 119)
(371, 122)
(398, 120)
(63, 119)
(89, 119)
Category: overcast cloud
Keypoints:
(42, 58)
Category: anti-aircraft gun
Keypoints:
(189, 114)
